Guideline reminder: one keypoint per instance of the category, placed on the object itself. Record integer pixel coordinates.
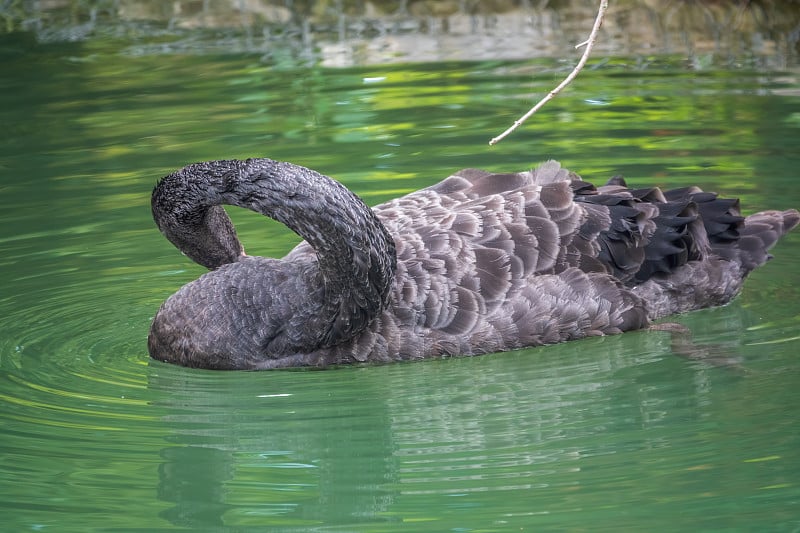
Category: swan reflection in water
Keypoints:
(474, 264)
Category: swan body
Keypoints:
(477, 263)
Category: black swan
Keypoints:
(477, 263)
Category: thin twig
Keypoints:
(589, 43)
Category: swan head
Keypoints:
(202, 232)
(210, 240)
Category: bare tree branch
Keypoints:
(589, 43)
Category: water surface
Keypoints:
(627, 432)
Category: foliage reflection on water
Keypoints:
(347, 33)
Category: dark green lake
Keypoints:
(607, 434)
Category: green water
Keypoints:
(607, 434)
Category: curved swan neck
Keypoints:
(354, 250)
(356, 255)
